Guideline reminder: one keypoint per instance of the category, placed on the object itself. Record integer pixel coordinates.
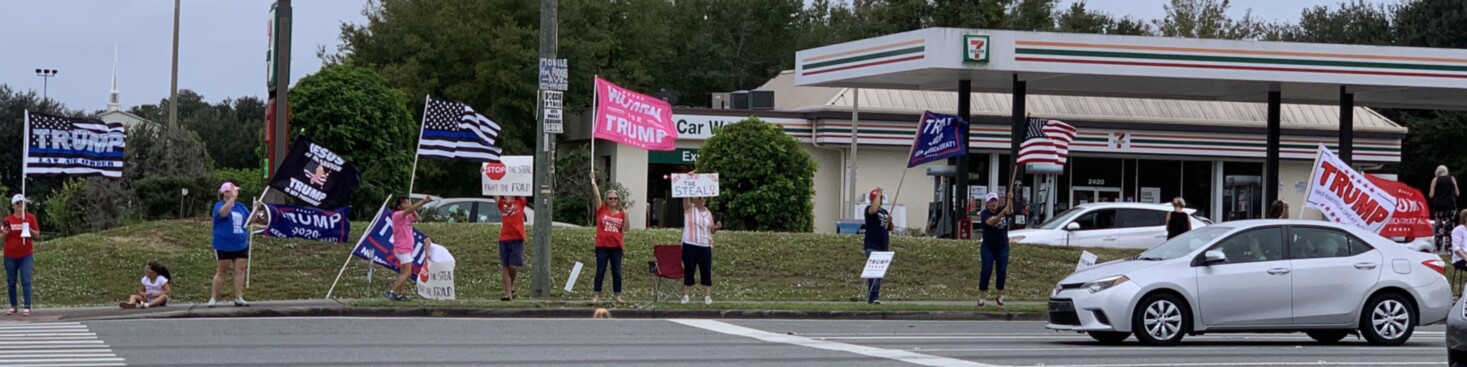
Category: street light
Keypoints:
(46, 75)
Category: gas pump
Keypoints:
(939, 210)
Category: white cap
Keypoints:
(16, 199)
(990, 197)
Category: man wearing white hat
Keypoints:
(20, 231)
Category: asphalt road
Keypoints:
(617, 342)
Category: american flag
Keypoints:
(58, 145)
(452, 130)
(1046, 141)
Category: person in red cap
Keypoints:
(878, 238)
(994, 250)
(20, 231)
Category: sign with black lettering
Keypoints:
(877, 264)
(511, 175)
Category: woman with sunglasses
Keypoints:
(610, 221)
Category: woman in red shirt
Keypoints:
(610, 221)
(20, 231)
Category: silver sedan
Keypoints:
(1324, 279)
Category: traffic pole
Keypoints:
(544, 146)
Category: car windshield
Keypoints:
(1062, 218)
(1184, 244)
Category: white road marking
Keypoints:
(1319, 363)
(42, 344)
(1133, 349)
(898, 355)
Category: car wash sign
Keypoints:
(1347, 196)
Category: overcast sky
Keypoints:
(223, 42)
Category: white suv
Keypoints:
(1121, 225)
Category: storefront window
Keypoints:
(1197, 186)
(1158, 181)
(1242, 190)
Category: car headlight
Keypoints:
(1057, 288)
(1104, 284)
(1015, 239)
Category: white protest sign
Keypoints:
(1087, 259)
(436, 281)
(1347, 196)
(877, 264)
(694, 185)
(570, 282)
(512, 175)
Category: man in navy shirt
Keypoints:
(995, 247)
(878, 238)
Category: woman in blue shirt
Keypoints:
(231, 242)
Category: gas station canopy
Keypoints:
(1143, 67)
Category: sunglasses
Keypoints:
(613, 198)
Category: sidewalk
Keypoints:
(536, 309)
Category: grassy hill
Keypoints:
(103, 268)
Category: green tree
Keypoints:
(352, 111)
(1079, 19)
(1207, 19)
(1432, 23)
(13, 106)
(230, 129)
(766, 180)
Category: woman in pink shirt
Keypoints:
(402, 243)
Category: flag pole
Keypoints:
(25, 230)
(910, 150)
(411, 181)
(595, 103)
(354, 248)
(250, 244)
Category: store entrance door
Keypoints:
(1094, 194)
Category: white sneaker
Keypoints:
(143, 305)
(212, 302)
(707, 300)
(685, 299)
(240, 302)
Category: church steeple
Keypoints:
(114, 102)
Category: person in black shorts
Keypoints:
(231, 242)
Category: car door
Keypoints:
(1332, 272)
(1140, 228)
(1097, 229)
(1253, 287)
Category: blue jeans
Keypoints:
(874, 284)
(603, 256)
(24, 266)
(996, 256)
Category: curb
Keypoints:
(571, 313)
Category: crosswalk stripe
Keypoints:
(53, 344)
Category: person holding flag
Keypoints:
(402, 243)
(511, 240)
(230, 241)
(878, 238)
(610, 222)
(994, 250)
(18, 249)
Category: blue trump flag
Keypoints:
(290, 221)
(376, 243)
(939, 137)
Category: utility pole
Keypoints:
(278, 87)
(544, 146)
(173, 90)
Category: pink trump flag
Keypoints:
(632, 118)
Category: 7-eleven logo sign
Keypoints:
(975, 48)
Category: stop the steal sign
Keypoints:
(512, 175)
(694, 185)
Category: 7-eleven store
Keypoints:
(1141, 150)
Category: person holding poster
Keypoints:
(511, 240)
(18, 248)
(878, 238)
(231, 242)
(698, 229)
(610, 222)
(403, 241)
(1443, 193)
(994, 250)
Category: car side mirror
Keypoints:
(1214, 257)
(1072, 226)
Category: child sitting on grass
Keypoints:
(154, 290)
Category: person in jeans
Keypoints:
(698, 229)
(403, 241)
(610, 222)
(511, 240)
(1443, 194)
(231, 242)
(878, 238)
(18, 248)
(994, 249)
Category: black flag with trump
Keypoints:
(316, 175)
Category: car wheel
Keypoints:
(1109, 337)
(1328, 337)
(1388, 319)
(1160, 319)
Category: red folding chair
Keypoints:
(666, 269)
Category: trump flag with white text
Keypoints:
(632, 118)
(1348, 196)
(56, 145)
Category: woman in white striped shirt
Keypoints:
(698, 229)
